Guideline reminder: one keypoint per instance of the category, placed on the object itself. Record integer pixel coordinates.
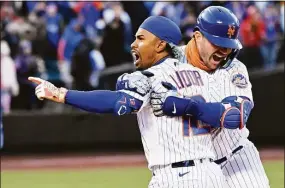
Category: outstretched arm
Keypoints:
(103, 101)
(98, 101)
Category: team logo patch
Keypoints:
(239, 80)
(231, 31)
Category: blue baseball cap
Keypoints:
(163, 28)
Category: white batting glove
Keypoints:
(159, 95)
(46, 90)
(136, 82)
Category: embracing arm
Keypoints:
(231, 113)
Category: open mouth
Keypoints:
(136, 57)
(218, 58)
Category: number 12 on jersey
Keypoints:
(194, 127)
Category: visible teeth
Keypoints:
(134, 56)
(217, 58)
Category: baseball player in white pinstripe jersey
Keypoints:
(179, 155)
(238, 157)
(213, 49)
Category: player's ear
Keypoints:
(161, 45)
(198, 35)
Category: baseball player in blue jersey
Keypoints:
(213, 49)
(152, 52)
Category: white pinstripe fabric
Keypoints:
(227, 140)
(245, 170)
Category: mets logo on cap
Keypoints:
(231, 31)
(239, 80)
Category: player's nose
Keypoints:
(133, 45)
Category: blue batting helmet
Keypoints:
(220, 26)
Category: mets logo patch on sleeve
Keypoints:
(239, 80)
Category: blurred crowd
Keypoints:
(70, 43)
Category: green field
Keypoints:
(136, 177)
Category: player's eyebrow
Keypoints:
(140, 36)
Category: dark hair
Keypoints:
(169, 50)
(174, 51)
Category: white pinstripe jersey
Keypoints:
(170, 139)
(224, 82)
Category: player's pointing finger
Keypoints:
(35, 80)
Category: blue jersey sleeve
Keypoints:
(214, 114)
(103, 101)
